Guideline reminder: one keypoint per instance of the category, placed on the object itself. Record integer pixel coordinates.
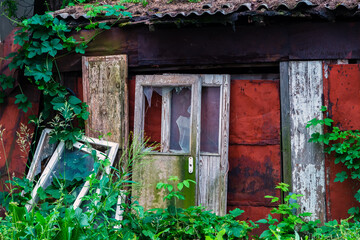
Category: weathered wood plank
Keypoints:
(165, 121)
(285, 123)
(307, 159)
(105, 91)
(213, 168)
(225, 123)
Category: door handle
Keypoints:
(191, 164)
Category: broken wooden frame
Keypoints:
(43, 151)
(84, 145)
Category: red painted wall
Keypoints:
(254, 153)
(12, 159)
(342, 96)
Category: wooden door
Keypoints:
(105, 91)
(187, 115)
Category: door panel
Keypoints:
(180, 102)
(183, 112)
(105, 90)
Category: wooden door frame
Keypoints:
(206, 80)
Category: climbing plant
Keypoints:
(345, 145)
(43, 40)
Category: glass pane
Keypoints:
(70, 171)
(152, 118)
(180, 119)
(45, 154)
(210, 113)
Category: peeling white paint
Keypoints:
(307, 159)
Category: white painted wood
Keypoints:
(42, 144)
(45, 175)
(307, 159)
(119, 209)
(165, 121)
(111, 155)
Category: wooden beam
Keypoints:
(285, 123)
(307, 159)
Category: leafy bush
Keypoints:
(54, 217)
(291, 224)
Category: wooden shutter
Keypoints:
(105, 91)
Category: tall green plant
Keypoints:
(291, 225)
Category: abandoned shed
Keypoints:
(227, 89)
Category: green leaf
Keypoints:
(104, 26)
(340, 177)
(6, 81)
(74, 100)
(262, 221)
(81, 48)
(328, 121)
(180, 186)
(236, 212)
(357, 196)
(323, 108)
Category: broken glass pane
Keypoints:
(210, 122)
(45, 153)
(180, 119)
(70, 172)
(152, 118)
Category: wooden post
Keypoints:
(305, 81)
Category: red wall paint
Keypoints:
(254, 153)
(12, 159)
(342, 96)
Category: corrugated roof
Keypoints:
(158, 9)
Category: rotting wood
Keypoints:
(285, 123)
(167, 163)
(213, 168)
(307, 159)
(105, 91)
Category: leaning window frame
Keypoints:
(81, 145)
(37, 155)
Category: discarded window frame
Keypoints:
(43, 152)
(69, 165)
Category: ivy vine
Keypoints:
(43, 40)
(345, 146)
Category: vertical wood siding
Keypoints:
(307, 159)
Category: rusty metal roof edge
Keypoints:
(245, 7)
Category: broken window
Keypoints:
(210, 120)
(167, 118)
(68, 169)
